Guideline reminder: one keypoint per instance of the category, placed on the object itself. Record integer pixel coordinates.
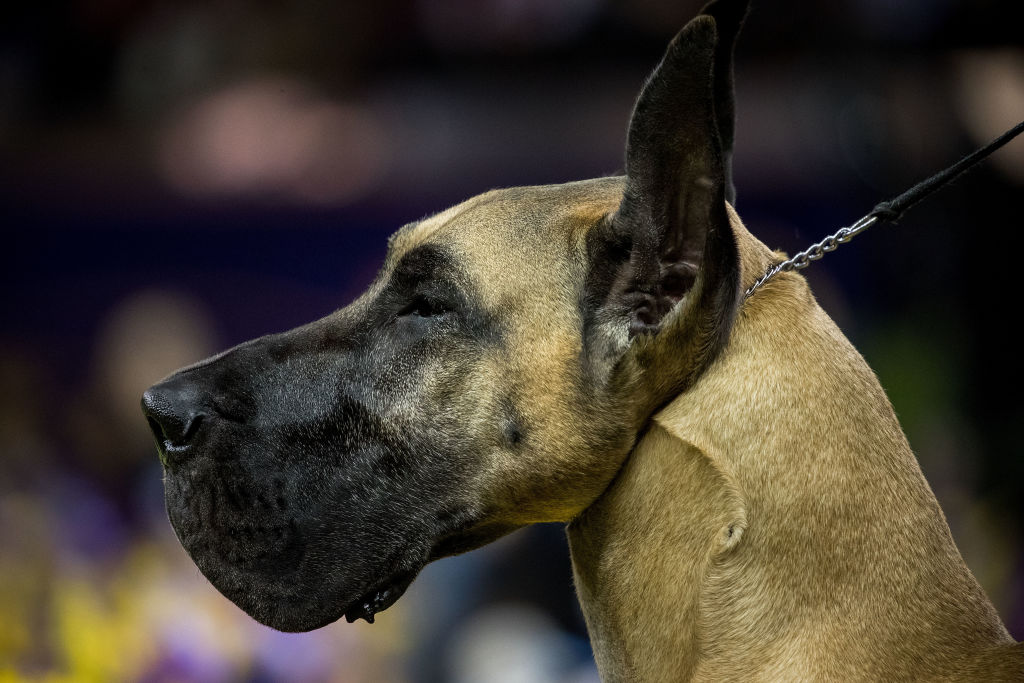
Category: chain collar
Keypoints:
(814, 252)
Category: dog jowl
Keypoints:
(495, 374)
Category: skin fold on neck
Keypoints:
(772, 522)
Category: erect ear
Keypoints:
(673, 212)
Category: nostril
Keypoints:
(157, 430)
(174, 414)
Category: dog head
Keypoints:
(495, 374)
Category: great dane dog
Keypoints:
(741, 502)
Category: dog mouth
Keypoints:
(254, 545)
(379, 598)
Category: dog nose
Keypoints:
(175, 410)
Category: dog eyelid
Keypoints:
(423, 306)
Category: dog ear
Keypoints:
(672, 259)
(673, 209)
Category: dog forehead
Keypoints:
(527, 234)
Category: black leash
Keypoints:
(887, 212)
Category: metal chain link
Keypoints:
(814, 252)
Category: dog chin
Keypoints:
(302, 600)
(279, 606)
(286, 615)
(273, 566)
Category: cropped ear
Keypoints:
(673, 209)
(678, 288)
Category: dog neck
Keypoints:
(772, 522)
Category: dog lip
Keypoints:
(171, 448)
(173, 451)
(170, 452)
(380, 598)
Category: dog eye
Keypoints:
(423, 307)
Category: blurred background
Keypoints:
(177, 177)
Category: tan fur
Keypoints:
(843, 569)
(771, 523)
(529, 273)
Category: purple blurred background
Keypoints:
(178, 177)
